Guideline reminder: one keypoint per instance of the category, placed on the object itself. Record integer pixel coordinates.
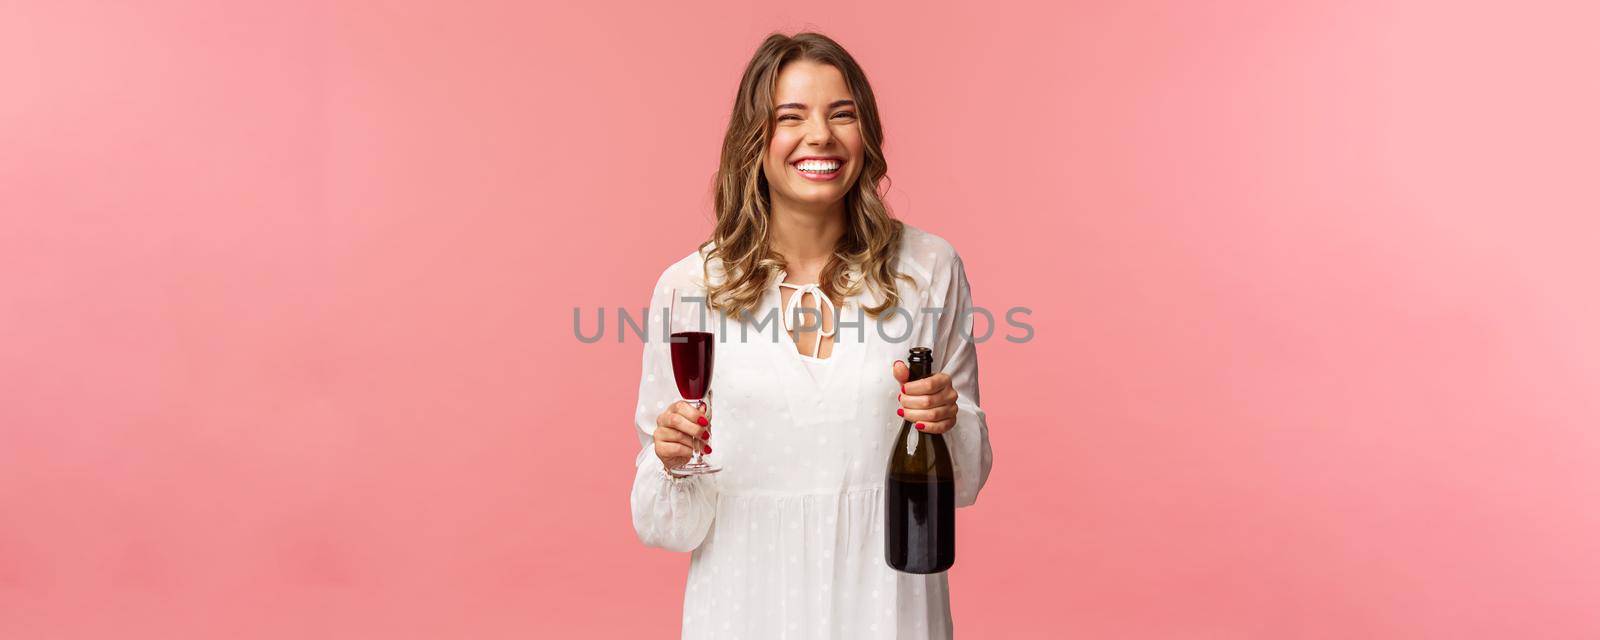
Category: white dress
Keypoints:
(788, 539)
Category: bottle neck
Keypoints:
(920, 369)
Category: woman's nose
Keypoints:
(819, 133)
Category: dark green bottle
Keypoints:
(920, 493)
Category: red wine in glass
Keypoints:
(692, 358)
(691, 363)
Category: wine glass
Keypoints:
(692, 357)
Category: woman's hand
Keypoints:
(676, 430)
(930, 403)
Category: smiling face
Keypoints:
(815, 153)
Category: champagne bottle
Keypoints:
(920, 493)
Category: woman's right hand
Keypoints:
(676, 430)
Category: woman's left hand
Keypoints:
(929, 403)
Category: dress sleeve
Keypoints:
(969, 438)
(668, 512)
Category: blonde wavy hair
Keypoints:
(741, 241)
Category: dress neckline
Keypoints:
(824, 305)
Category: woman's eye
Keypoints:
(790, 116)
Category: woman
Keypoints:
(788, 539)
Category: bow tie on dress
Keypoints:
(823, 303)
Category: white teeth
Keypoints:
(818, 166)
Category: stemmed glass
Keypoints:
(692, 357)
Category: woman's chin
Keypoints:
(818, 200)
(809, 193)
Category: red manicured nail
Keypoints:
(902, 388)
(920, 426)
(708, 449)
(703, 421)
(705, 435)
(902, 412)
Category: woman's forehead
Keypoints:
(804, 79)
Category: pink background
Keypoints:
(286, 299)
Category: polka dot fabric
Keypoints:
(787, 541)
